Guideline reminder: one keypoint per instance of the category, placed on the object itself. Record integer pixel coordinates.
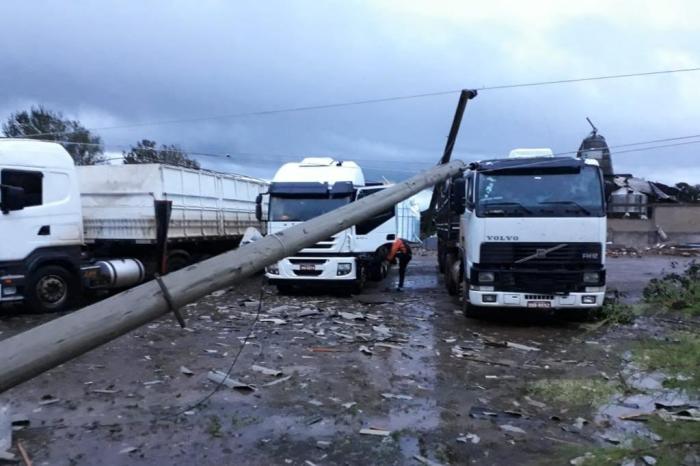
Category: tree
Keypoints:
(46, 125)
(688, 192)
(145, 151)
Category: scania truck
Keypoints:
(528, 231)
(66, 230)
(316, 185)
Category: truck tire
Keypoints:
(452, 278)
(361, 280)
(51, 288)
(178, 259)
(469, 310)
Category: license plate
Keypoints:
(307, 267)
(539, 304)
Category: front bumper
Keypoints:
(536, 300)
(312, 269)
(11, 288)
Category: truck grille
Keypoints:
(540, 254)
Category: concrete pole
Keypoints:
(30, 353)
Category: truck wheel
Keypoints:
(468, 308)
(361, 279)
(51, 288)
(441, 260)
(285, 289)
(451, 276)
(178, 259)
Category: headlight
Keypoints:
(486, 277)
(344, 268)
(272, 270)
(591, 277)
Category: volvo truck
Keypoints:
(316, 185)
(527, 232)
(68, 230)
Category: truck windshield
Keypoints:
(300, 209)
(540, 194)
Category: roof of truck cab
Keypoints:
(32, 153)
(528, 163)
(320, 170)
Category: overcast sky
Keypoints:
(116, 63)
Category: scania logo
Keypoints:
(502, 238)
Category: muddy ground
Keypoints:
(409, 363)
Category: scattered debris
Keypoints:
(389, 396)
(349, 404)
(266, 371)
(649, 460)
(105, 391)
(274, 320)
(222, 378)
(387, 345)
(23, 454)
(275, 382)
(152, 382)
(127, 450)
(48, 400)
(186, 371)
(5, 433)
(375, 431)
(511, 429)
(473, 438)
(424, 460)
(366, 350)
(308, 312)
(351, 315)
(323, 444)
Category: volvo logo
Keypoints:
(502, 238)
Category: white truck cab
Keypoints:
(41, 219)
(532, 234)
(314, 186)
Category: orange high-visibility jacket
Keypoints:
(397, 246)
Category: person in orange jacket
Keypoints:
(401, 251)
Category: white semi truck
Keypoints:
(304, 190)
(528, 231)
(66, 229)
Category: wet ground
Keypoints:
(407, 368)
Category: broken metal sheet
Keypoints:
(351, 315)
(222, 378)
(390, 396)
(365, 350)
(266, 370)
(375, 431)
(511, 429)
(274, 320)
(308, 312)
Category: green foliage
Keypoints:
(679, 357)
(678, 440)
(677, 291)
(576, 392)
(614, 311)
(214, 427)
(145, 151)
(46, 125)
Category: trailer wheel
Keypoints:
(452, 279)
(178, 259)
(51, 288)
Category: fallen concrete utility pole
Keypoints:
(37, 350)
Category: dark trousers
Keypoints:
(403, 259)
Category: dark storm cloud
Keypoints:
(118, 63)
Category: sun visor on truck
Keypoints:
(338, 188)
(534, 165)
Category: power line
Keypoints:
(381, 100)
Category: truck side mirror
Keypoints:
(458, 196)
(12, 198)
(258, 207)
